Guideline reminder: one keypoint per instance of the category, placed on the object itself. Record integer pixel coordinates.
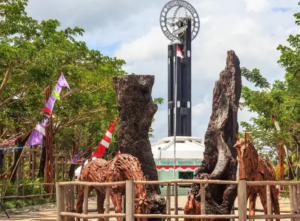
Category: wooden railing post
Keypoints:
(269, 205)
(292, 201)
(202, 189)
(23, 190)
(169, 200)
(86, 201)
(176, 200)
(298, 196)
(107, 198)
(129, 200)
(60, 201)
(242, 200)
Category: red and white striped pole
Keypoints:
(104, 142)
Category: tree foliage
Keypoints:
(33, 54)
(281, 100)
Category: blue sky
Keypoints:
(129, 29)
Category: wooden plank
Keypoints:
(202, 199)
(17, 189)
(269, 205)
(169, 200)
(165, 182)
(107, 198)
(176, 200)
(272, 183)
(292, 201)
(80, 183)
(164, 216)
(129, 200)
(60, 201)
(23, 189)
(86, 201)
(55, 167)
(242, 200)
(91, 216)
(298, 195)
(286, 216)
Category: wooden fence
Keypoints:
(22, 187)
(63, 211)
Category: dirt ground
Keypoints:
(48, 213)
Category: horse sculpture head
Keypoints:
(192, 206)
(245, 151)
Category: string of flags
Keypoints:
(12, 148)
(12, 139)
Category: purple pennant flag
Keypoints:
(36, 137)
(49, 105)
(63, 82)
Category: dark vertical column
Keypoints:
(180, 95)
(187, 67)
(170, 91)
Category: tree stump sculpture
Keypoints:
(121, 168)
(220, 156)
(136, 111)
(253, 168)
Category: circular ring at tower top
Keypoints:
(173, 25)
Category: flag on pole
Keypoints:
(179, 53)
(36, 137)
(55, 95)
(105, 141)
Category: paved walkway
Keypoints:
(48, 213)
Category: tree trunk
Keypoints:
(136, 111)
(220, 155)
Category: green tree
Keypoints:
(281, 100)
(32, 56)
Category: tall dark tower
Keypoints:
(181, 31)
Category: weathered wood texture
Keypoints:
(220, 155)
(136, 111)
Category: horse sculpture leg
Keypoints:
(79, 200)
(252, 203)
(100, 203)
(263, 199)
(275, 202)
(116, 198)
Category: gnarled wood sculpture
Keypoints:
(121, 168)
(253, 168)
(219, 161)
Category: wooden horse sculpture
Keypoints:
(253, 168)
(121, 168)
(192, 207)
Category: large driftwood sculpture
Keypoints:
(136, 111)
(121, 168)
(220, 156)
(253, 168)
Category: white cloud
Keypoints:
(257, 5)
(143, 48)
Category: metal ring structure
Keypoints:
(163, 19)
